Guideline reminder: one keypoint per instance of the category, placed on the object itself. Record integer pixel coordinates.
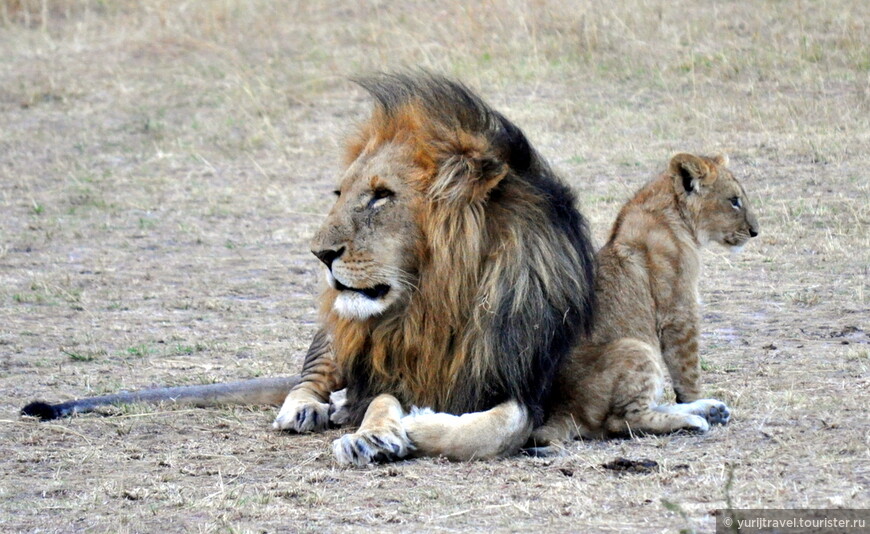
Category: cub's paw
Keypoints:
(371, 446)
(695, 423)
(713, 411)
(301, 415)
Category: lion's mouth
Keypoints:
(376, 292)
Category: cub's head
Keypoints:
(714, 199)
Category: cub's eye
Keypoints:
(380, 196)
(735, 203)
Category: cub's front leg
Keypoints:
(306, 408)
(679, 347)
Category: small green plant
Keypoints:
(184, 349)
(30, 298)
(79, 356)
(729, 505)
(140, 351)
(676, 508)
(188, 349)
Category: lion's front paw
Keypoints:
(371, 446)
(302, 416)
(714, 411)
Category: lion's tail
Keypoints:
(254, 391)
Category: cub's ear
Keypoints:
(466, 173)
(690, 172)
(721, 159)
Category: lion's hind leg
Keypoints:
(380, 438)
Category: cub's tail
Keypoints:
(254, 391)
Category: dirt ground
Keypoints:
(163, 164)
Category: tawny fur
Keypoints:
(647, 293)
(245, 392)
(477, 262)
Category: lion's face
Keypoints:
(716, 200)
(369, 242)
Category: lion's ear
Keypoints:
(466, 172)
(490, 171)
(468, 179)
(690, 172)
(721, 159)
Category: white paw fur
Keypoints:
(371, 446)
(302, 415)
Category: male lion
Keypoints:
(459, 274)
(646, 287)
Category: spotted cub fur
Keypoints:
(647, 290)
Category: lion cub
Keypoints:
(647, 291)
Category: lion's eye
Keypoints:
(735, 203)
(379, 196)
(382, 192)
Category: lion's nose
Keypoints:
(753, 232)
(328, 255)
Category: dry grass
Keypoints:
(163, 163)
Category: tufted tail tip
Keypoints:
(41, 410)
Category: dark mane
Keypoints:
(452, 105)
(507, 286)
